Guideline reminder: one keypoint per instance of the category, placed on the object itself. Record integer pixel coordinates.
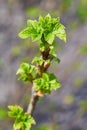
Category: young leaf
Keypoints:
(26, 72)
(23, 120)
(25, 33)
(60, 32)
(46, 83)
(32, 23)
(15, 111)
(52, 52)
(47, 18)
(49, 38)
(40, 19)
(38, 60)
(47, 26)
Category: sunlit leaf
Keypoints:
(26, 71)
(25, 33)
(38, 60)
(60, 32)
(15, 111)
(46, 83)
(22, 120)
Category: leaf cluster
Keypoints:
(46, 83)
(23, 120)
(46, 27)
(27, 72)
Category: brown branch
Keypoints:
(41, 69)
(33, 101)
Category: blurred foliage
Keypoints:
(15, 50)
(34, 12)
(82, 10)
(3, 113)
(65, 4)
(77, 65)
(73, 24)
(68, 99)
(78, 82)
(83, 105)
(83, 49)
(43, 127)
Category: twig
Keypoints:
(41, 69)
(33, 101)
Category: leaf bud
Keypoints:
(40, 93)
(46, 64)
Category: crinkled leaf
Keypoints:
(32, 23)
(38, 60)
(47, 18)
(47, 26)
(26, 71)
(60, 32)
(54, 83)
(15, 111)
(36, 36)
(45, 76)
(20, 71)
(23, 120)
(52, 52)
(37, 31)
(49, 38)
(46, 83)
(25, 33)
(17, 125)
(40, 19)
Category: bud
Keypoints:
(40, 93)
(46, 64)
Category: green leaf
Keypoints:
(37, 31)
(54, 83)
(17, 125)
(25, 33)
(38, 60)
(32, 23)
(14, 111)
(45, 76)
(52, 52)
(36, 36)
(60, 32)
(23, 120)
(43, 46)
(47, 18)
(49, 38)
(40, 19)
(46, 83)
(3, 113)
(47, 26)
(26, 71)
(56, 58)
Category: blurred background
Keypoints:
(65, 109)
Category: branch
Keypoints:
(35, 95)
(33, 101)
